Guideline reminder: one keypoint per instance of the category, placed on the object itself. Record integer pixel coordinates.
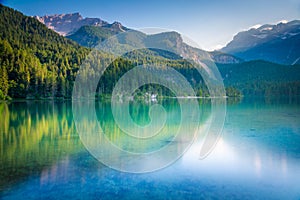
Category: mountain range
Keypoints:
(90, 34)
(275, 43)
(40, 58)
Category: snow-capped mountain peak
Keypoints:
(65, 24)
(261, 42)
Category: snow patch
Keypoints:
(260, 36)
(267, 29)
(255, 26)
(283, 21)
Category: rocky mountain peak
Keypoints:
(116, 27)
(66, 24)
(275, 43)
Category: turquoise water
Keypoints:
(257, 157)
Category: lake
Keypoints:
(42, 156)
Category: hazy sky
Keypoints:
(210, 23)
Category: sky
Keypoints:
(209, 23)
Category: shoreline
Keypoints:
(159, 98)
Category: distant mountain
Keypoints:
(90, 36)
(275, 43)
(172, 42)
(65, 24)
(89, 32)
(224, 58)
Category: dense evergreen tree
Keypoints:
(33, 59)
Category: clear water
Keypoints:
(258, 156)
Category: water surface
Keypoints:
(258, 156)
